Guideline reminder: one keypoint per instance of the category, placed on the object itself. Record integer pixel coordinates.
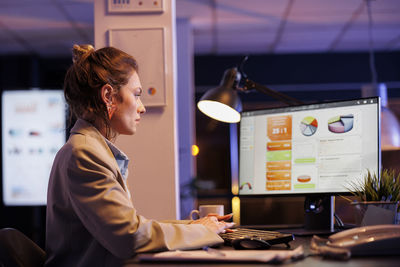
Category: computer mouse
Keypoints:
(250, 243)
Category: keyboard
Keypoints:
(272, 237)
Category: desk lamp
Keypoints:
(223, 103)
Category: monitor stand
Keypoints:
(318, 217)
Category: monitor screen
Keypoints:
(33, 130)
(316, 148)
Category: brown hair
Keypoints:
(90, 71)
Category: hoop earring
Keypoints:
(110, 111)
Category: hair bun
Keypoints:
(80, 51)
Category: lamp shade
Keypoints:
(223, 103)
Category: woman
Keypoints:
(90, 217)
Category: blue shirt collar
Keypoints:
(121, 158)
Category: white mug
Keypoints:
(206, 209)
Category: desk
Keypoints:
(308, 261)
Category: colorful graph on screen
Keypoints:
(279, 153)
(341, 124)
(308, 126)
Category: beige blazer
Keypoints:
(91, 220)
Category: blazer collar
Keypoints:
(86, 128)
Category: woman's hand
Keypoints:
(221, 218)
(215, 223)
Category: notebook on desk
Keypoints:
(246, 238)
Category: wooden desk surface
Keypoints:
(308, 261)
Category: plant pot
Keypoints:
(375, 212)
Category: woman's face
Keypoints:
(128, 107)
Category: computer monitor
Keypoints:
(316, 150)
(33, 130)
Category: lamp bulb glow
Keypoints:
(219, 111)
(195, 150)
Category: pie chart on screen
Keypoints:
(308, 126)
(341, 124)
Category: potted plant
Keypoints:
(378, 198)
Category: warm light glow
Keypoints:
(236, 210)
(195, 150)
(235, 186)
(219, 111)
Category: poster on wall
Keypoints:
(33, 130)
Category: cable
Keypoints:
(339, 221)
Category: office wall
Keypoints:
(153, 170)
(185, 109)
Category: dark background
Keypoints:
(349, 71)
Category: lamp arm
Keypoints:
(249, 84)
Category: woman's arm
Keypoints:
(104, 208)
